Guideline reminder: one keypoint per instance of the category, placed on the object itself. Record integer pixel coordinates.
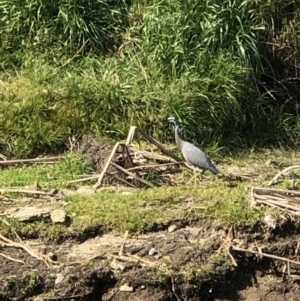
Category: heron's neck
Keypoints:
(177, 137)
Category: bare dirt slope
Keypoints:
(179, 265)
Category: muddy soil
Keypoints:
(183, 264)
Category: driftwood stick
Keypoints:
(157, 144)
(154, 165)
(120, 179)
(23, 246)
(96, 176)
(100, 179)
(10, 258)
(265, 255)
(279, 204)
(263, 190)
(122, 248)
(130, 135)
(16, 190)
(31, 161)
(127, 157)
(135, 129)
(132, 174)
(280, 173)
(154, 156)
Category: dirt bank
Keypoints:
(183, 264)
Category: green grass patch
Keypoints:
(216, 199)
(47, 175)
(148, 210)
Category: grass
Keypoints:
(47, 175)
(218, 65)
(145, 209)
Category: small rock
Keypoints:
(59, 278)
(58, 216)
(27, 214)
(270, 221)
(172, 228)
(117, 266)
(158, 256)
(195, 231)
(126, 288)
(152, 251)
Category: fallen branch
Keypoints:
(39, 192)
(21, 245)
(133, 130)
(226, 240)
(31, 161)
(259, 253)
(120, 179)
(100, 179)
(121, 252)
(11, 259)
(96, 176)
(288, 200)
(280, 173)
(154, 165)
(132, 175)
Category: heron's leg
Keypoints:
(195, 176)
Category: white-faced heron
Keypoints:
(192, 154)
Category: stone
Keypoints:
(59, 278)
(195, 231)
(172, 228)
(126, 288)
(117, 266)
(28, 214)
(58, 216)
(158, 256)
(152, 252)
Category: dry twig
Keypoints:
(22, 245)
(11, 259)
(280, 173)
(31, 161)
(76, 54)
(261, 254)
(121, 252)
(226, 240)
(39, 192)
(132, 175)
(99, 182)
(279, 198)
(133, 130)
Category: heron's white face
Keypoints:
(171, 119)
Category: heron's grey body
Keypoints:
(192, 154)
